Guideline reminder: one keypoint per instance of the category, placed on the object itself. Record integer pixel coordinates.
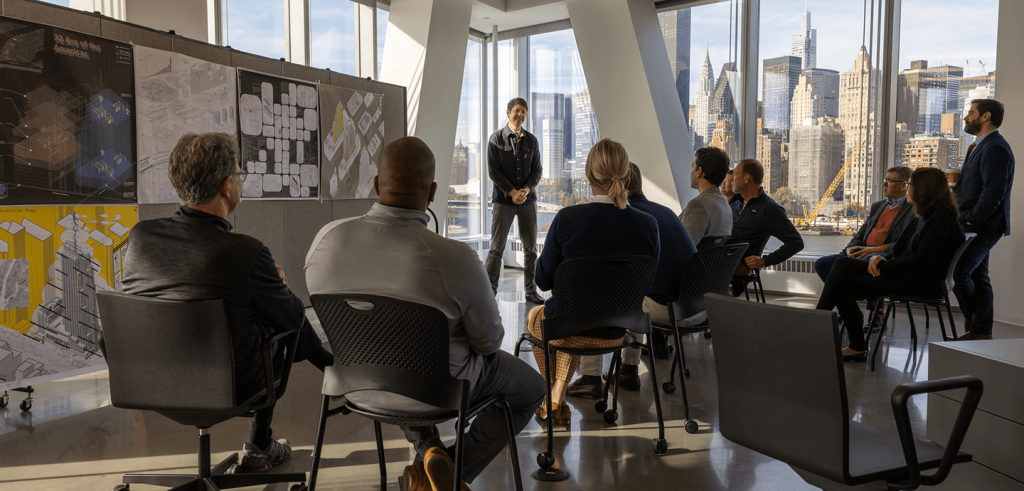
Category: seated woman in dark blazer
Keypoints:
(607, 226)
(920, 259)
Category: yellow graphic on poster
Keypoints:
(53, 260)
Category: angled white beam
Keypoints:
(634, 93)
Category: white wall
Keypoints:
(186, 18)
(1006, 264)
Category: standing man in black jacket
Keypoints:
(194, 256)
(983, 194)
(513, 164)
(760, 219)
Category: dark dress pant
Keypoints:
(501, 223)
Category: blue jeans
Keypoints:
(973, 288)
(823, 266)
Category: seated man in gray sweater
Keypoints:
(708, 216)
(390, 252)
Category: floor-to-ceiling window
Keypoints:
(464, 199)
(497, 112)
(382, 29)
(332, 32)
(255, 26)
(563, 119)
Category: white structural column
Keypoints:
(297, 43)
(1006, 265)
(110, 8)
(366, 40)
(425, 51)
(634, 92)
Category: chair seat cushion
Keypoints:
(691, 321)
(877, 455)
(391, 404)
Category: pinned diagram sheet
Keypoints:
(53, 260)
(178, 94)
(280, 141)
(353, 125)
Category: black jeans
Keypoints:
(501, 223)
(523, 388)
(850, 281)
(259, 426)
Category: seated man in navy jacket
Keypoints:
(760, 219)
(983, 194)
(676, 249)
(886, 222)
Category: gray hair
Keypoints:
(199, 164)
(902, 173)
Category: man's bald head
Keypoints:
(405, 174)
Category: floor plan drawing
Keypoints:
(69, 109)
(57, 258)
(177, 94)
(353, 127)
(280, 141)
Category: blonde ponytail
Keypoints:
(607, 169)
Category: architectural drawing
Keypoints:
(353, 130)
(58, 258)
(177, 94)
(280, 141)
(69, 109)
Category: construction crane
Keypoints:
(983, 72)
(809, 218)
(967, 65)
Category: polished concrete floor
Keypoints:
(74, 440)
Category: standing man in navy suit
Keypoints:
(983, 194)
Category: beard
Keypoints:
(972, 128)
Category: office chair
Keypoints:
(782, 392)
(176, 358)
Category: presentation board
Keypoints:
(53, 260)
(69, 102)
(353, 129)
(280, 144)
(177, 94)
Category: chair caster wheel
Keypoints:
(691, 426)
(601, 406)
(660, 446)
(611, 416)
(707, 334)
(686, 373)
(25, 405)
(545, 460)
(4, 400)
(121, 487)
(298, 487)
(668, 387)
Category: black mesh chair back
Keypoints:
(602, 291)
(947, 285)
(707, 271)
(159, 351)
(790, 405)
(710, 241)
(386, 345)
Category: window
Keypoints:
(255, 26)
(938, 77)
(506, 91)
(332, 35)
(563, 119)
(819, 117)
(382, 29)
(464, 200)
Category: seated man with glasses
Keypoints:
(878, 235)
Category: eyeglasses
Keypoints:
(909, 184)
(892, 181)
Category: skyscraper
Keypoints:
(460, 165)
(780, 76)
(941, 151)
(675, 28)
(723, 103)
(703, 124)
(805, 44)
(936, 90)
(551, 149)
(859, 95)
(816, 95)
(815, 157)
(769, 153)
(585, 132)
(724, 138)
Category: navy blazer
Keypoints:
(899, 224)
(983, 191)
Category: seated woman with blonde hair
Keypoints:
(607, 226)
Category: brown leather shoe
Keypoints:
(586, 386)
(972, 336)
(563, 415)
(440, 470)
(414, 479)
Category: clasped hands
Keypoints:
(519, 195)
(862, 251)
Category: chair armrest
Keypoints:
(900, 398)
(267, 349)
